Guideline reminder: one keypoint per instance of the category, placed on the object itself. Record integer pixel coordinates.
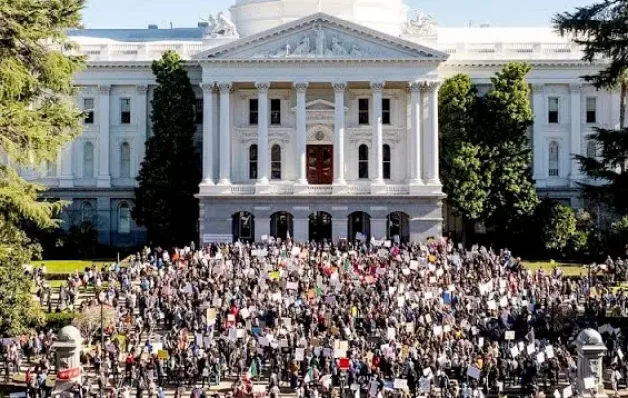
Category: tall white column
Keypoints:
(575, 137)
(301, 88)
(377, 144)
(66, 178)
(415, 134)
(225, 133)
(142, 119)
(538, 105)
(432, 136)
(262, 133)
(104, 176)
(208, 134)
(339, 133)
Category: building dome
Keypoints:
(254, 16)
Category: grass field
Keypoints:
(67, 266)
(568, 269)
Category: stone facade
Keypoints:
(290, 81)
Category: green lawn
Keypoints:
(67, 266)
(569, 269)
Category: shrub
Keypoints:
(57, 320)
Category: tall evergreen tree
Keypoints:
(504, 122)
(602, 30)
(37, 116)
(466, 178)
(170, 173)
(485, 150)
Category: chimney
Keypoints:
(153, 27)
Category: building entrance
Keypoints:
(320, 226)
(320, 164)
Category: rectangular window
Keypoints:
(88, 109)
(591, 109)
(552, 110)
(363, 111)
(275, 111)
(253, 111)
(386, 111)
(198, 110)
(125, 110)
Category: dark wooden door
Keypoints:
(320, 164)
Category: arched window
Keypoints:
(275, 162)
(253, 162)
(553, 159)
(125, 160)
(363, 161)
(88, 160)
(124, 218)
(51, 168)
(591, 148)
(87, 212)
(386, 161)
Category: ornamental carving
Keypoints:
(320, 43)
(262, 86)
(377, 86)
(339, 86)
(219, 27)
(225, 86)
(421, 25)
(104, 89)
(300, 86)
(249, 134)
(207, 87)
(366, 134)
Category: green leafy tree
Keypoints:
(37, 116)
(505, 117)
(602, 30)
(170, 173)
(466, 178)
(557, 228)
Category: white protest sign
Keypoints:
(567, 393)
(589, 383)
(510, 335)
(473, 372)
(299, 354)
(400, 384)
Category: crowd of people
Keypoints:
(373, 318)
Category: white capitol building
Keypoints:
(316, 118)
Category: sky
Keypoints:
(452, 13)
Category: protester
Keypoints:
(374, 318)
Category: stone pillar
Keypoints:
(378, 228)
(301, 229)
(68, 362)
(66, 178)
(538, 105)
(208, 134)
(415, 134)
(339, 136)
(591, 350)
(377, 142)
(262, 227)
(142, 120)
(301, 88)
(104, 176)
(103, 208)
(225, 133)
(262, 133)
(575, 137)
(339, 228)
(431, 175)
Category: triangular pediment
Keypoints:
(321, 36)
(319, 105)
